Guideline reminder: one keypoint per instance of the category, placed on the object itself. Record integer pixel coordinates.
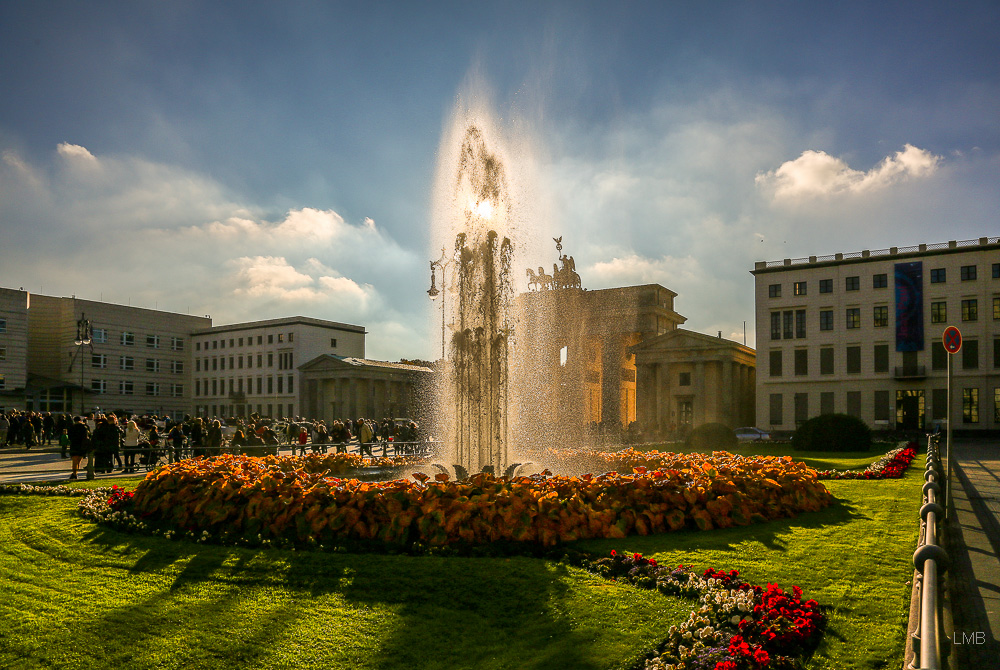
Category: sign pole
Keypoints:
(947, 442)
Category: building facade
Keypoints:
(137, 360)
(860, 334)
(686, 379)
(13, 347)
(246, 368)
(338, 387)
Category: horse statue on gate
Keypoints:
(539, 282)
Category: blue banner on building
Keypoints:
(909, 306)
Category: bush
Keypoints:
(833, 432)
(714, 436)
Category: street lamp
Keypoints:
(84, 338)
(433, 291)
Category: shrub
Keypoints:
(712, 436)
(833, 432)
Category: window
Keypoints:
(222, 343)
(968, 273)
(826, 319)
(880, 281)
(801, 362)
(197, 346)
(177, 344)
(826, 361)
(153, 341)
(333, 342)
(215, 344)
(215, 386)
(281, 337)
(270, 339)
(281, 382)
(241, 341)
(239, 359)
(231, 366)
(996, 270)
(826, 402)
(970, 405)
(939, 404)
(787, 321)
(970, 355)
(232, 342)
(259, 385)
(3, 325)
(939, 276)
(775, 406)
(99, 336)
(881, 409)
(270, 360)
(215, 364)
(177, 390)
(3, 353)
(3, 383)
(128, 339)
(152, 365)
(881, 316)
(260, 339)
(881, 357)
(99, 385)
(939, 357)
(852, 283)
(222, 362)
(126, 363)
(801, 408)
(799, 288)
(939, 312)
(249, 361)
(853, 317)
(291, 337)
(775, 368)
(996, 352)
(197, 365)
(996, 405)
(177, 367)
(270, 384)
(996, 307)
(684, 379)
(853, 360)
(152, 388)
(99, 361)
(800, 323)
(854, 403)
(197, 387)
(260, 359)
(826, 286)
(291, 383)
(126, 388)
(970, 310)
(775, 325)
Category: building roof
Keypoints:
(363, 363)
(681, 338)
(917, 251)
(285, 321)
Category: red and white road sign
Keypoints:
(952, 339)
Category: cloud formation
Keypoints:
(816, 174)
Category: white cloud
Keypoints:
(816, 174)
(76, 154)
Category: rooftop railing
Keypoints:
(877, 253)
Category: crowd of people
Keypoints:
(120, 441)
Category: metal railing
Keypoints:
(876, 253)
(930, 643)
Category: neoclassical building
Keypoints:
(686, 379)
(338, 387)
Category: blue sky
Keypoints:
(257, 160)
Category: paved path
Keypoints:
(974, 549)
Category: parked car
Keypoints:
(750, 434)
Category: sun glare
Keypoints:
(483, 209)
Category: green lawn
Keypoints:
(81, 596)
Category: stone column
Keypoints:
(725, 413)
(700, 401)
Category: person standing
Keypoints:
(79, 443)
(176, 436)
(215, 438)
(132, 437)
(4, 427)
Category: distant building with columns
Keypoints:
(337, 387)
(686, 379)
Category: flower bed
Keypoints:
(250, 500)
(736, 625)
(890, 466)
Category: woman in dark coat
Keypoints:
(107, 441)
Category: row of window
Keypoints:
(881, 407)
(3, 325)
(285, 362)
(127, 338)
(247, 341)
(880, 359)
(881, 280)
(791, 324)
(213, 387)
(241, 409)
(127, 387)
(100, 361)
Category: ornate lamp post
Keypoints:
(433, 291)
(84, 338)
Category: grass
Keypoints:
(82, 596)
